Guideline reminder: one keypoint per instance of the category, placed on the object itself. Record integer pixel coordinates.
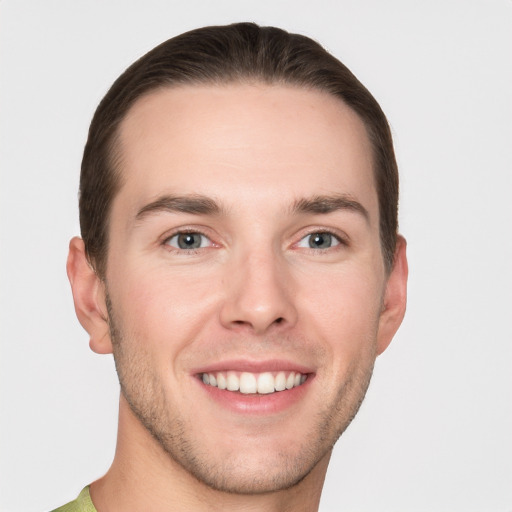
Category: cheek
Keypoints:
(344, 308)
(159, 305)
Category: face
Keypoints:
(246, 288)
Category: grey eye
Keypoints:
(320, 240)
(188, 241)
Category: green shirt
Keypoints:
(82, 504)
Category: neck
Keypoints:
(144, 477)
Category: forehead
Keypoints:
(240, 142)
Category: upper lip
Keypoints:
(253, 366)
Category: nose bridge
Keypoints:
(259, 290)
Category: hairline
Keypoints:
(115, 152)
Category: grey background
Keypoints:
(434, 433)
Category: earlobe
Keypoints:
(395, 298)
(89, 297)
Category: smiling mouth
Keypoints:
(254, 383)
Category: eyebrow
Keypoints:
(329, 204)
(194, 204)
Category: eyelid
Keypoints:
(183, 231)
(342, 241)
(336, 241)
(340, 236)
(177, 235)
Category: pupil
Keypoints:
(189, 241)
(320, 241)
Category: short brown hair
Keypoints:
(240, 52)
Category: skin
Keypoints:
(255, 292)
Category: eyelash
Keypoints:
(340, 241)
(186, 251)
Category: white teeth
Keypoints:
(232, 382)
(266, 383)
(221, 381)
(250, 383)
(280, 383)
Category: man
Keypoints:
(240, 259)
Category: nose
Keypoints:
(258, 294)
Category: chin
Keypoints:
(249, 473)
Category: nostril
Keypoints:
(279, 320)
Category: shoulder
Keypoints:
(82, 504)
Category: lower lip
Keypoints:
(271, 403)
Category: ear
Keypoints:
(89, 297)
(395, 298)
